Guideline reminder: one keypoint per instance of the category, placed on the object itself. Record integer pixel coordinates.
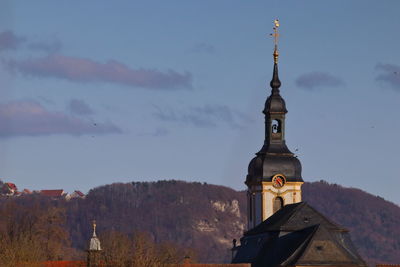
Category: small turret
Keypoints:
(94, 251)
(94, 241)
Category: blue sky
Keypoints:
(95, 92)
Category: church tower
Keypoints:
(274, 175)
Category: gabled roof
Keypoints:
(285, 248)
(297, 235)
(313, 246)
(327, 248)
(52, 193)
(293, 217)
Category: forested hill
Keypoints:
(207, 217)
(200, 216)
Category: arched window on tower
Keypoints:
(278, 204)
(276, 129)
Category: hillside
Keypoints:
(201, 216)
(207, 217)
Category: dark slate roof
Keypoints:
(328, 247)
(285, 249)
(293, 217)
(297, 235)
(273, 157)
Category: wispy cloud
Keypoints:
(48, 47)
(317, 80)
(79, 107)
(208, 116)
(390, 75)
(203, 48)
(9, 41)
(30, 118)
(86, 70)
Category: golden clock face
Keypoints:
(278, 180)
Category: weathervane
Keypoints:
(276, 37)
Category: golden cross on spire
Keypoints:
(276, 38)
(276, 34)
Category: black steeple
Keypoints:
(275, 111)
(275, 82)
(274, 156)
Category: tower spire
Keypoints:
(275, 82)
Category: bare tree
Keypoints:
(31, 232)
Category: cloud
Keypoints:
(208, 116)
(30, 118)
(203, 48)
(9, 41)
(314, 80)
(79, 107)
(48, 47)
(86, 70)
(390, 75)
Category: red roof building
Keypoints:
(11, 186)
(57, 193)
(9, 189)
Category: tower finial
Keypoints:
(276, 38)
(275, 82)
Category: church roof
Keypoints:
(294, 217)
(297, 235)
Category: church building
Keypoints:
(283, 230)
